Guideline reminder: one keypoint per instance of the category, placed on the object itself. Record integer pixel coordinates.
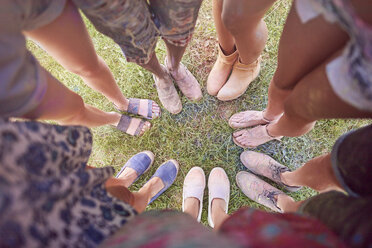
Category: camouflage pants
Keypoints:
(135, 25)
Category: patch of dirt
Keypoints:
(226, 109)
(203, 53)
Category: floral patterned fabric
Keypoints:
(47, 196)
(245, 228)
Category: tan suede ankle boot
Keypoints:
(220, 71)
(241, 76)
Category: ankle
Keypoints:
(218, 213)
(270, 129)
(217, 208)
(286, 179)
(287, 204)
(140, 201)
(161, 75)
(191, 207)
(122, 104)
(171, 65)
(269, 117)
(127, 179)
(228, 51)
(152, 187)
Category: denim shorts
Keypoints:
(135, 25)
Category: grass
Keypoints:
(199, 135)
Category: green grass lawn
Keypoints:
(199, 135)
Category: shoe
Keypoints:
(250, 138)
(220, 71)
(193, 186)
(258, 190)
(141, 163)
(142, 107)
(167, 172)
(138, 128)
(261, 164)
(168, 95)
(187, 83)
(241, 76)
(219, 187)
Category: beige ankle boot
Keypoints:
(241, 76)
(220, 71)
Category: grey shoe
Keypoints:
(261, 164)
(186, 82)
(258, 190)
(168, 95)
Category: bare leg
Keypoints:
(138, 200)
(225, 39)
(154, 66)
(287, 204)
(174, 55)
(167, 93)
(144, 195)
(243, 19)
(303, 93)
(314, 42)
(66, 107)
(186, 82)
(218, 212)
(68, 41)
(275, 103)
(316, 174)
(312, 99)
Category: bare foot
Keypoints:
(250, 138)
(247, 119)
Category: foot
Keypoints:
(219, 189)
(185, 81)
(250, 138)
(133, 126)
(143, 107)
(241, 76)
(193, 191)
(263, 165)
(259, 191)
(167, 93)
(166, 173)
(135, 167)
(220, 71)
(152, 188)
(248, 119)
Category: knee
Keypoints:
(88, 69)
(237, 21)
(283, 80)
(292, 109)
(297, 111)
(76, 108)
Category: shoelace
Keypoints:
(271, 196)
